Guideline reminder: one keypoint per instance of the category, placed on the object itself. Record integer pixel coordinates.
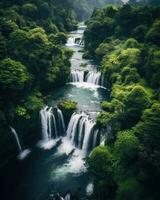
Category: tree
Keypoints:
(100, 164)
(30, 10)
(96, 31)
(7, 27)
(61, 38)
(151, 69)
(13, 74)
(131, 43)
(44, 10)
(153, 34)
(124, 20)
(19, 44)
(127, 152)
(128, 189)
(130, 75)
(136, 102)
(139, 32)
(3, 46)
(129, 56)
(147, 130)
(126, 148)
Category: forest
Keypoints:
(32, 34)
(125, 41)
(36, 65)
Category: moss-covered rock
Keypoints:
(68, 107)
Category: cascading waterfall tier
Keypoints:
(71, 41)
(52, 127)
(47, 119)
(75, 41)
(61, 123)
(77, 76)
(82, 133)
(22, 153)
(81, 129)
(92, 77)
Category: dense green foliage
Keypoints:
(33, 61)
(84, 8)
(68, 107)
(125, 42)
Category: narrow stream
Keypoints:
(56, 163)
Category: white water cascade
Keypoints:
(51, 127)
(77, 76)
(71, 41)
(22, 153)
(61, 121)
(75, 41)
(17, 138)
(47, 117)
(67, 196)
(81, 132)
(93, 77)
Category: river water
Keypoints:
(60, 168)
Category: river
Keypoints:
(58, 165)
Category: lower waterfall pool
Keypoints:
(60, 166)
(44, 172)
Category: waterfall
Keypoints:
(61, 121)
(87, 134)
(55, 126)
(71, 130)
(89, 189)
(48, 124)
(67, 196)
(79, 42)
(77, 76)
(81, 132)
(45, 117)
(95, 138)
(93, 77)
(17, 139)
(75, 41)
(52, 127)
(23, 153)
(71, 41)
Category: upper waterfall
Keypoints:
(93, 77)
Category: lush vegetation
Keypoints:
(125, 42)
(32, 61)
(68, 107)
(84, 8)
